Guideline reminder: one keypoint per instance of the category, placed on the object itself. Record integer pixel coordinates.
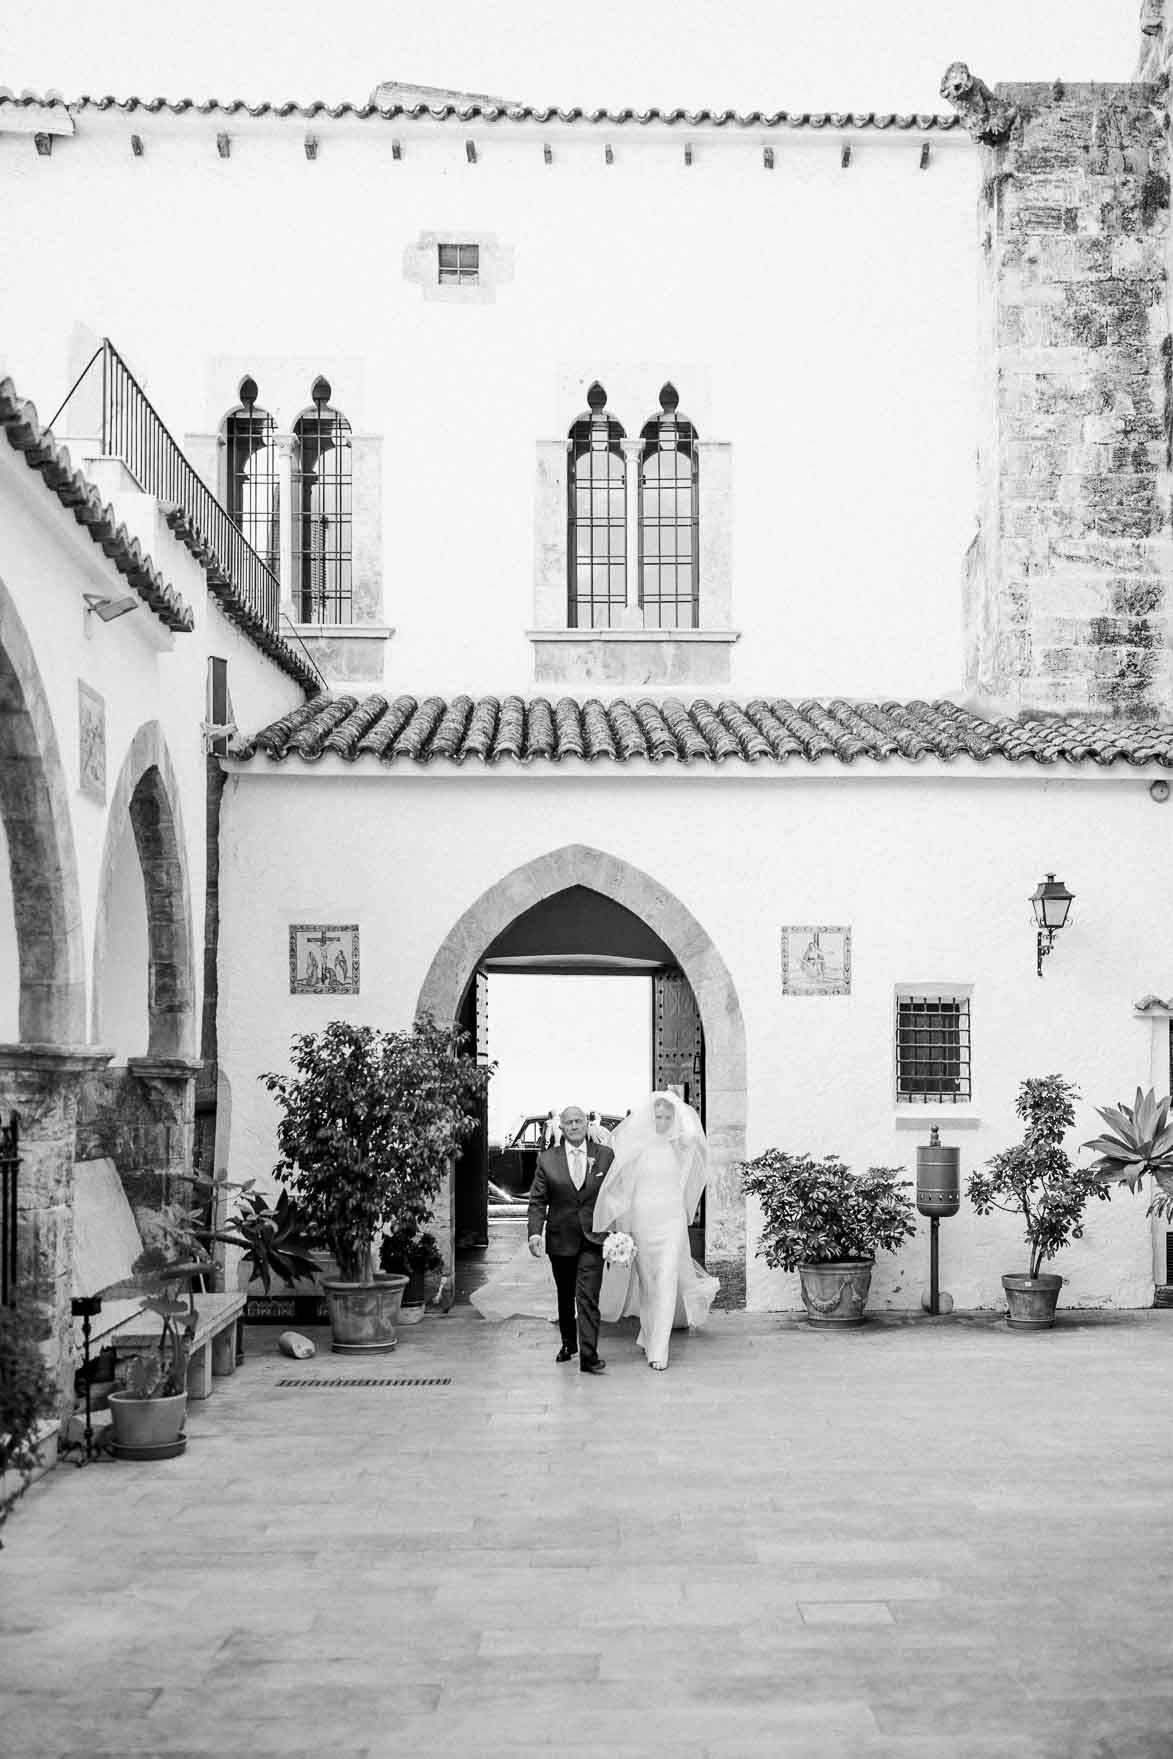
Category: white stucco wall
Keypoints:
(931, 867)
(819, 320)
(144, 674)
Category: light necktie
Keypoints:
(578, 1167)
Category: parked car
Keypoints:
(512, 1163)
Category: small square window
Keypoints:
(932, 1050)
(459, 264)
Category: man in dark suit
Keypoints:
(562, 1197)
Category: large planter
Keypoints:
(148, 1429)
(363, 1315)
(836, 1294)
(1030, 1300)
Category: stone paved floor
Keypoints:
(923, 1540)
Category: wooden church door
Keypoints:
(471, 1196)
(678, 1061)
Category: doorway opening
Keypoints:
(579, 1002)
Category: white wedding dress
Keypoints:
(665, 1286)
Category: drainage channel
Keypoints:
(358, 1380)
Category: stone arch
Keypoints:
(34, 803)
(147, 795)
(464, 946)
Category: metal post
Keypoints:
(934, 1265)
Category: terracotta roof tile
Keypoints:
(881, 120)
(699, 731)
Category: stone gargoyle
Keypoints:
(988, 118)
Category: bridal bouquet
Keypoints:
(618, 1249)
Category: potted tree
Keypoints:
(369, 1120)
(149, 1409)
(828, 1223)
(1035, 1179)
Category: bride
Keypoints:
(651, 1192)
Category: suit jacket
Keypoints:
(553, 1200)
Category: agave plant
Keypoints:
(1142, 1142)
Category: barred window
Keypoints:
(932, 1049)
(251, 475)
(459, 264)
(322, 497)
(597, 520)
(669, 582)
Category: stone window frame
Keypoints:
(628, 653)
(495, 267)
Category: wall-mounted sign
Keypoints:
(91, 742)
(816, 961)
(323, 959)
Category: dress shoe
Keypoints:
(594, 1367)
(565, 1354)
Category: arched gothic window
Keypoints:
(669, 581)
(322, 480)
(253, 488)
(597, 526)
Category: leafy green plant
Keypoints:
(408, 1251)
(270, 1237)
(820, 1212)
(28, 1397)
(1035, 1179)
(1141, 1142)
(368, 1122)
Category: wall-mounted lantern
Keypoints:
(1050, 902)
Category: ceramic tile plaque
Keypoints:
(91, 738)
(816, 961)
(323, 959)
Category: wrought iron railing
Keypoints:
(132, 429)
(9, 1168)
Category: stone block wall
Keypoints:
(1068, 582)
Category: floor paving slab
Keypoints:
(921, 1538)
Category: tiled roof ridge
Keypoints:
(77, 493)
(43, 452)
(489, 729)
(540, 114)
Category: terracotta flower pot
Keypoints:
(363, 1315)
(836, 1294)
(1031, 1300)
(148, 1429)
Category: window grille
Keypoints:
(253, 487)
(669, 581)
(322, 482)
(459, 264)
(932, 1050)
(597, 536)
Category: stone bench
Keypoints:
(213, 1348)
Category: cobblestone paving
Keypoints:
(922, 1540)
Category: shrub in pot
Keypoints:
(28, 1399)
(1139, 1144)
(827, 1223)
(1036, 1180)
(369, 1120)
(411, 1252)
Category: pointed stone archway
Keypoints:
(140, 1112)
(146, 794)
(34, 803)
(40, 1074)
(577, 864)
